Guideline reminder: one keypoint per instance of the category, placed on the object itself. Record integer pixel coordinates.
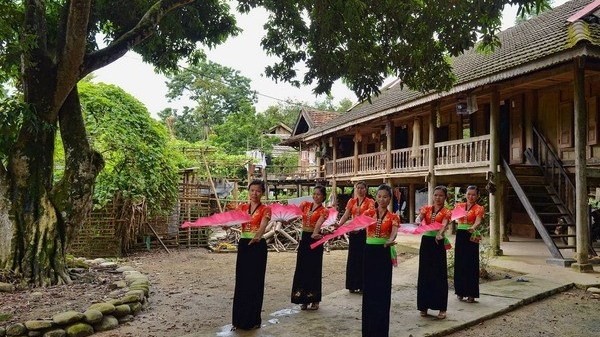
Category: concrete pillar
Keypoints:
(432, 181)
(494, 162)
(581, 192)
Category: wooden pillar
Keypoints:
(357, 138)
(529, 112)
(581, 189)
(503, 201)
(411, 202)
(431, 180)
(494, 162)
(388, 146)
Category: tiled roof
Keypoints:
(548, 34)
(316, 118)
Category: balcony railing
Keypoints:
(453, 154)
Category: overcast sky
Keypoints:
(242, 53)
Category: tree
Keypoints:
(218, 92)
(49, 45)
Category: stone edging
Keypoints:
(98, 317)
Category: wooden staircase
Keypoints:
(551, 217)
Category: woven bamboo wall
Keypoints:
(96, 237)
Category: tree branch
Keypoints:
(145, 28)
(71, 56)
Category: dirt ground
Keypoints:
(193, 289)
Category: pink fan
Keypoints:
(229, 218)
(361, 221)
(458, 212)
(418, 229)
(281, 212)
(331, 218)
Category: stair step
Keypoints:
(563, 235)
(566, 247)
(555, 224)
(544, 203)
(558, 214)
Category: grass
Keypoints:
(5, 316)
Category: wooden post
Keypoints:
(432, 181)
(212, 184)
(411, 201)
(494, 162)
(357, 136)
(581, 190)
(388, 146)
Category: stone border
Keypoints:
(98, 317)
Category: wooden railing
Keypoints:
(371, 163)
(453, 154)
(276, 172)
(458, 153)
(556, 176)
(344, 166)
(404, 160)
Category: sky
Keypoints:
(242, 53)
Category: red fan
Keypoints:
(331, 218)
(229, 218)
(281, 212)
(418, 229)
(359, 222)
(458, 212)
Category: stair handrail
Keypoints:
(553, 170)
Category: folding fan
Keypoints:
(458, 212)
(331, 218)
(281, 212)
(410, 228)
(229, 218)
(358, 222)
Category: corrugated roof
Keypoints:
(545, 35)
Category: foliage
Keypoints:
(139, 163)
(241, 132)
(12, 110)
(365, 41)
(218, 92)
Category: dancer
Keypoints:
(432, 286)
(466, 254)
(251, 262)
(377, 274)
(354, 266)
(306, 288)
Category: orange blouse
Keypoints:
(382, 229)
(310, 216)
(427, 214)
(472, 214)
(357, 209)
(257, 215)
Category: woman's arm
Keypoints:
(317, 231)
(261, 230)
(344, 218)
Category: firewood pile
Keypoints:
(280, 237)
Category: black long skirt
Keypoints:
(466, 265)
(432, 287)
(306, 287)
(377, 291)
(249, 284)
(354, 265)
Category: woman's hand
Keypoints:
(439, 236)
(316, 236)
(472, 229)
(389, 243)
(255, 239)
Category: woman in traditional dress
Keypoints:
(466, 253)
(251, 261)
(354, 267)
(377, 275)
(432, 286)
(306, 288)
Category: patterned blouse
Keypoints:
(472, 214)
(357, 209)
(310, 216)
(430, 217)
(382, 229)
(257, 215)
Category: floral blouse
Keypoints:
(472, 213)
(382, 229)
(357, 209)
(257, 215)
(310, 216)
